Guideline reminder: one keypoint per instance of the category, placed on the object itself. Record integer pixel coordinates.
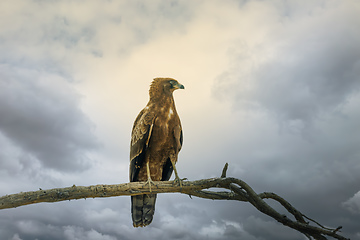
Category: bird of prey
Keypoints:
(156, 140)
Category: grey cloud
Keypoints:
(60, 221)
(77, 233)
(68, 34)
(314, 67)
(268, 230)
(353, 204)
(55, 35)
(303, 140)
(41, 115)
(315, 174)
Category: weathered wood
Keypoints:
(236, 189)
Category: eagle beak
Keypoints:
(180, 86)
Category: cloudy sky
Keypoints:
(271, 87)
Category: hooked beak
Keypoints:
(179, 86)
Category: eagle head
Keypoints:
(164, 86)
(172, 85)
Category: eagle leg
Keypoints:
(177, 179)
(149, 181)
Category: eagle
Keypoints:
(156, 140)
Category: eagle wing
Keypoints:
(140, 137)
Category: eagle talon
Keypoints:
(179, 181)
(150, 182)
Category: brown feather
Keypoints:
(156, 138)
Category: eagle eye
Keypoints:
(172, 83)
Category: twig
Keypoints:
(312, 220)
(223, 174)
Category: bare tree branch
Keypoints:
(236, 189)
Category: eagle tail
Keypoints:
(142, 209)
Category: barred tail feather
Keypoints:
(142, 209)
(136, 210)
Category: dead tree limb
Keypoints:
(235, 189)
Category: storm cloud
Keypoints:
(307, 63)
(40, 115)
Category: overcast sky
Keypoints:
(271, 87)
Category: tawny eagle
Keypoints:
(156, 140)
